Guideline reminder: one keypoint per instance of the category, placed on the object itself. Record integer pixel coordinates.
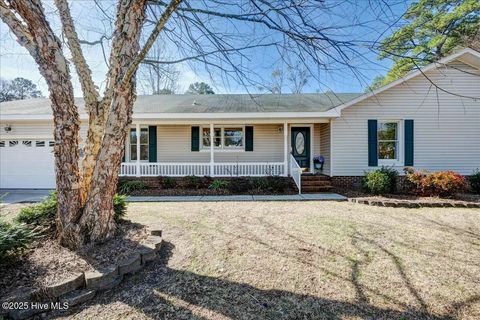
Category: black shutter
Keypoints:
(408, 143)
(152, 143)
(249, 138)
(372, 143)
(195, 138)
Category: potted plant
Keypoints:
(318, 162)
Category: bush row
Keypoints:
(235, 185)
(423, 183)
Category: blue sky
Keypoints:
(362, 22)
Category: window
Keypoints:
(217, 137)
(39, 143)
(51, 143)
(387, 133)
(229, 137)
(143, 144)
(12, 143)
(27, 143)
(2, 144)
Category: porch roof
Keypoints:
(202, 104)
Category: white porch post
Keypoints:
(285, 149)
(137, 130)
(212, 154)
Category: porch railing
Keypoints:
(296, 173)
(202, 169)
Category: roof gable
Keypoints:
(467, 56)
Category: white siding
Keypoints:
(31, 130)
(325, 146)
(174, 143)
(446, 130)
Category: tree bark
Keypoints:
(38, 38)
(85, 198)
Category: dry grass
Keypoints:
(309, 260)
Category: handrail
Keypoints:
(296, 173)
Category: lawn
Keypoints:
(301, 260)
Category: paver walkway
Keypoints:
(293, 197)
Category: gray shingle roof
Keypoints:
(217, 103)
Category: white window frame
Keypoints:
(128, 156)
(392, 162)
(222, 147)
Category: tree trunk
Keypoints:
(38, 38)
(97, 220)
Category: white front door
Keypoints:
(26, 164)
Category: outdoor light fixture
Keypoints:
(7, 128)
(280, 129)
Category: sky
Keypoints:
(360, 23)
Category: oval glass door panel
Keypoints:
(300, 143)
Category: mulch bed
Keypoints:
(203, 192)
(399, 199)
(46, 262)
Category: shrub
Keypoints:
(169, 183)
(129, 186)
(14, 238)
(277, 184)
(191, 182)
(119, 206)
(240, 185)
(218, 184)
(475, 181)
(259, 183)
(441, 183)
(377, 182)
(392, 176)
(44, 213)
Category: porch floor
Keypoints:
(295, 197)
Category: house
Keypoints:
(430, 119)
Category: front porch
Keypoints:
(226, 149)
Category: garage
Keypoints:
(27, 164)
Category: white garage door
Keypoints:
(26, 164)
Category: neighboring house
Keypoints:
(409, 122)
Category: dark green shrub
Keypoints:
(42, 214)
(14, 238)
(277, 184)
(240, 185)
(169, 183)
(474, 180)
(192, 182)
(377, 182)
(129, 186)
(218, 184)
(119, 206)
(392, 176)
(260, 183)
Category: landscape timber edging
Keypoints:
(397, 203)
(81, 287)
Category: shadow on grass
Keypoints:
(160, 292)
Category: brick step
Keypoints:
(315, 183)
(316, 178)
(315, 189)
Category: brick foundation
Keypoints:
(355, 182)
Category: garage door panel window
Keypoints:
(39, 143)
(2, 144)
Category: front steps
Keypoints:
(315, 183)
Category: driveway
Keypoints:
(9, 196)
